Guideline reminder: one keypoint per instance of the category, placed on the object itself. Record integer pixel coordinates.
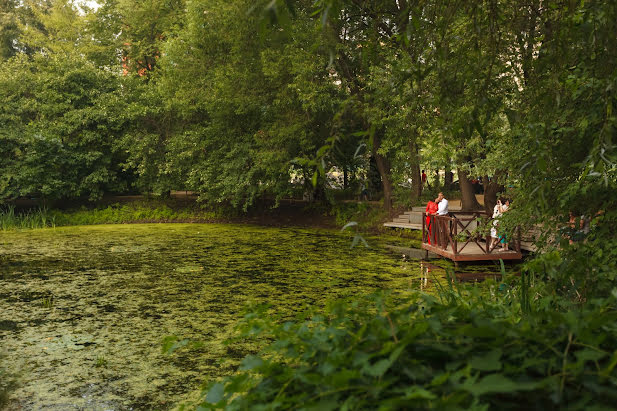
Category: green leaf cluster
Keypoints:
(430, 354)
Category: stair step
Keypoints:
(401, 220)
(404, 225)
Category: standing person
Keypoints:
(443, 204)
(363, 192)
(423, 178)
(431, 209)
(498, 210)
(504, 240)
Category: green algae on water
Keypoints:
(87, 308)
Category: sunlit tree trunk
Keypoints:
(468, 195)
(491, 188)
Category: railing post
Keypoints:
(455, 241)
(489, 239)
(435, 230)
(423, 224)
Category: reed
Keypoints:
(28, 219)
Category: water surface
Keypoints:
(83, 310)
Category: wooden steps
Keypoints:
(411, 219)
(403, 225)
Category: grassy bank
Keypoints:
(146, 211)
(369, 216)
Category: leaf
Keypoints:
(379, 368)
(251, 362)
(488, 362)
(588, 354)
(356, 154)
(349, 224)
(215, 394)
(497, 383)
(324, 405)
(417, 393)
(172, 342)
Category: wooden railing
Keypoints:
(460, 228)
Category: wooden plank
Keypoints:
(473, 253)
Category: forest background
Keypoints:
(243, 100)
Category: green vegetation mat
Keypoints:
(88, 307)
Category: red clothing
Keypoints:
(431, 208)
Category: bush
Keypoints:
(467, 350)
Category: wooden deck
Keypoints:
(473, 252)
(463, 236)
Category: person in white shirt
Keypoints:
(498, 211)
(442, 204)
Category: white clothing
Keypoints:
(494, 229)
(442, 207)
(498, 210)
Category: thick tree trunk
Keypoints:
(491, 188)
(383, 165)
(468, 196)
(416, 178)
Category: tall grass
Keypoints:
(35, 218)
(135, 212)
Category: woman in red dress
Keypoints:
(431, 208)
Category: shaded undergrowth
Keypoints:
(468, 347)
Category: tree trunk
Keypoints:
(345, 178)
(436, 181)
(448, 178)
(491, 188)
(383, 165)
(416, 178)
(468, 196)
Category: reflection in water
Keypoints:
(425, 271)
(464, 274)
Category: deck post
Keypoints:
(454, 240)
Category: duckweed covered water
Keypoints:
(83, 310)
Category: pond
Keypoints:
(84, 310)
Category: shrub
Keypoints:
(467, 350)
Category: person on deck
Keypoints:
(442, 205)
(498, 210)
(431, 209)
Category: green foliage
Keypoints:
(101, 362)
(57, 129)
(144, 211)
(468, 351)
(10, 220)
(363, 212)
(150, 211)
